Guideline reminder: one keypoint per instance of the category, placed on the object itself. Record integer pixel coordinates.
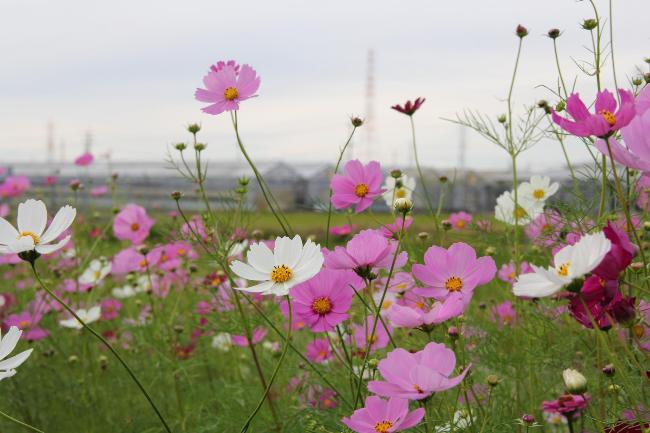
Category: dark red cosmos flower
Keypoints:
(410, 107)
(620, 255)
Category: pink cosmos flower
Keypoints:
(132, 223)
(363, 332)
(391, 231)
(604, 122)
(14, 186)
(258, 335)
(84, 159)
(636, 151)
(323, 301)
(358, 186)
(567, 404)
(400, 282)
(99, 191)
(642, 189)
(504, 313)
(226, 85)
(195, 228)
(367, 251)
(460, 220)
(319, 351)
(379, 415)
(545, 229)
(508, 273)
(416, 376)
(28, 323)
(50, 180)
(321, 398)
(130, 260)
(110, 309)
(453, 270)
(4, 210)
(407, 317)
(343, 230)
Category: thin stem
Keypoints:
(422, 180)
(16, 421)
(105, 343)
(559, 70)
(275, 372)
(336, 169)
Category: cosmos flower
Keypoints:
(362, 333)
(31, 233)
(323, 301)
(460, 220)
(84, 159)
(226, 85)
(571, 262)
(453, 270)
(409, 107)
(343, 230)
(110, 309)
(222, 341)
(546, 229)
(604, 122)
(504, 313)
(87, 315)
(525, 212)
(279, 270)
(381, 416)
(567, 404)
(14, 186)
(416, 376)
(241, 340)
(319, 350)
(403, 316)
(7, 345)
(357, 186)
(391, 231)
(132, 223)
(398, 188)
(28, 321)
(538, 189)
(97, 270)
(508, 271)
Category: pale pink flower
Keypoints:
(226, 86)
(132, 223)
(357, 186)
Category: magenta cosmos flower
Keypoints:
(417, 375)
(358, 186)
(636, 151)
(323, 301)
(226, 85)
(381, 416)
(410, 107)
(367, 251)
(454, 270)
(132, 223)
(460, 220)
(85, 159)
(14, 186)
(567, 404)
(604, 122)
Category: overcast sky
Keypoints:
(127, 69)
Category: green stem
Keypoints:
(421, 175)
(16, 421)
(105, 343)
(336, 169)
(275, 372)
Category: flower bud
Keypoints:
(490, 251)
(453, 332)
(589, 24)
(502, 118)
(446, 225)
(521, 31)
(396, 173)
(180, 146)
(443, 179)
(492, 380)
(243, 181)
(103, 362)
(373, 363)
(241, 190)
(176, 195)
(554, 33)
(193, 128)
(257, 234)
(609, 370)
(76, 185)
(528, 419)
(613, 388)
(73, 359)
(646, 77)
(560, 106)
(637, 81)
(403, 205)
(423, 236)
(200, 147)
(356, 121)
(574, 381)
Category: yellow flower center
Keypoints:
(143, 263)
(638, 330)
(23, 324)
(33, 235)
(512, 275)
(97, 274)
(563, 269)
(418, 389)
(539, 194)
(321, 305)
(460, 224)
(386, 305)
(400, 193)
(382, 427)
(454, 284)
(281, 274)
(230, 93)
(361, 190)
(180, 252)
(609, 117)
(520, 213)
(135, 227)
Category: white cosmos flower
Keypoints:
(571, 262)
(129, 290)
(527, 210)
(462, 420)
(277, 271)
(539, 189)
(31, 233)
(238, 248)
(398, 188)
(7, 345)
(222, 341)
(97, 270)
(88, 316)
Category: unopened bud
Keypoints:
(423, 236)
(396, 173)
(403, 205)
(373, 363)
(200, 147)
(446, 225)
(179, 329)
(574, 381)
(76, 185)
(646, 77)
(443, 179)
(176, 195)
(356, 121)
(73, 359)
(257, 234)
(613, 388)
(560, 106)
(243, 181)
(180, 146)
(589, 24)
(492, 380)
(502, 118)
(609, 370)
(490, 251)
(528, 419)
(637, 81)
(453, 332)
(193, 128)
(554, 33)
(103, 362)
(521, 31)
